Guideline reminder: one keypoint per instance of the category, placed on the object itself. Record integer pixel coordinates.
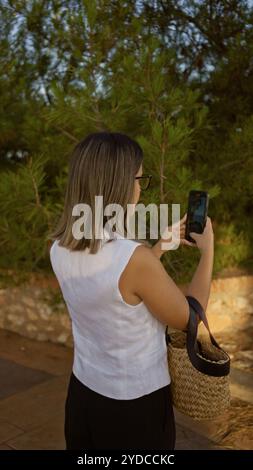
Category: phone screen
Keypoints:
(197, 212)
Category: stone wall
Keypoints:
(36, 308)
(230, 305)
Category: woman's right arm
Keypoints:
(200, 285)
(151, 282)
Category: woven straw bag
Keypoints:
(199, 370)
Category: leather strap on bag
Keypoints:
(204, 365)
(194, 303)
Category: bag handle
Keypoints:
(203, 365)
(194, 303)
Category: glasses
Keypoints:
(144, 181)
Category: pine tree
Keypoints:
(157, 71)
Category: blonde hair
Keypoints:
(103, 163)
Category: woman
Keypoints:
(120, 299)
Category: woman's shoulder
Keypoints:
(142, 258)
(138, 266)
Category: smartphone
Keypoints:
(198, 202)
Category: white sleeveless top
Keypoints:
(119, 349)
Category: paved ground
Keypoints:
(34, 377)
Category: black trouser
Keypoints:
(94, 421)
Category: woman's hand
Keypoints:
(183, 241)
(179, 231)
(157, 248)
(205, 240)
